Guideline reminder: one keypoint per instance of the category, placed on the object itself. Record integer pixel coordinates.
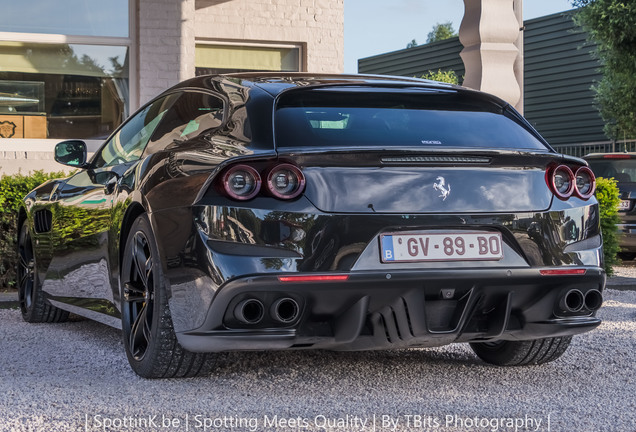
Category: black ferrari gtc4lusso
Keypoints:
(270, 212)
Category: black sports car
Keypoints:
(268, 211)
(622, 168)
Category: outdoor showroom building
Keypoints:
(77, 68)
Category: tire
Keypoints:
(33, 304)
(521, 353)
(149, 338)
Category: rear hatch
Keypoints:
(412, 150)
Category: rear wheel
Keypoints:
(521, 353)
(151, 344)
(33, 305)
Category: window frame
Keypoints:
(302, 58)
(155, 141)
(132, 117)
(129, 42)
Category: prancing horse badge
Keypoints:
(441, 186)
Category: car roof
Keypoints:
(304, 79)
(275, 83)
(612, 155)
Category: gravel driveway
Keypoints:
(74, 376)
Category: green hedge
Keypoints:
(608, 198)
(13, 189)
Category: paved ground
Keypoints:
(74, 376)
(624, 278)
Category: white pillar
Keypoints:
(488, 32)
(518, 8)
(166, 45)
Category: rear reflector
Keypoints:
(317, 278)
(562, 272)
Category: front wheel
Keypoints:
(151, 344)
(521, 353)
(33, 305)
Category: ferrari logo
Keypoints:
(440, 185)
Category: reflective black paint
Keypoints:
(216, 251)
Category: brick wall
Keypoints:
(319, 24)
(166, 45)
(167, 31)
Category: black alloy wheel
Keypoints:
(149, 338)
(33, 305)
(139, 296)
(26, 270)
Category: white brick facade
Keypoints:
(317, 24)
(168, 29)
(166, 45)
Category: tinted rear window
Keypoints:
(623, 170)
(401, 119)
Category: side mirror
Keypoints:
(71, 153)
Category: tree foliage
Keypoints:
(612, 25)
(448, 76)
(411, 44)
(441, 32)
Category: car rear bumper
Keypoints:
(383, 310)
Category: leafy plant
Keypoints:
(612, 25)
(13, 189)
(608, 198)
(448, 76)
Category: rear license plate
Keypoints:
(624, 204)
(414, 247)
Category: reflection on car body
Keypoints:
(268, 211)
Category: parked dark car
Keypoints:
(269, 212)
(622, 168)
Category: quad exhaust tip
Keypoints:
(572, 301)
(593, 299)
(250, 311)
(285, 310)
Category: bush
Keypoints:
(13, 189)
(449, 76)
(608, 199)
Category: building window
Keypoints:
(69, 17)
(65, 68)
(215, 58)
(82, 90)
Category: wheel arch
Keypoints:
(22, 215)
(133, 212)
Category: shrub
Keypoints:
(449, 76)
(13, 189)
(608, 199)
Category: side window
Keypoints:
(130, 141)
(191, 114)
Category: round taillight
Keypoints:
(241, 182)
(585, 182)
(285, 181)
(562, 182)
